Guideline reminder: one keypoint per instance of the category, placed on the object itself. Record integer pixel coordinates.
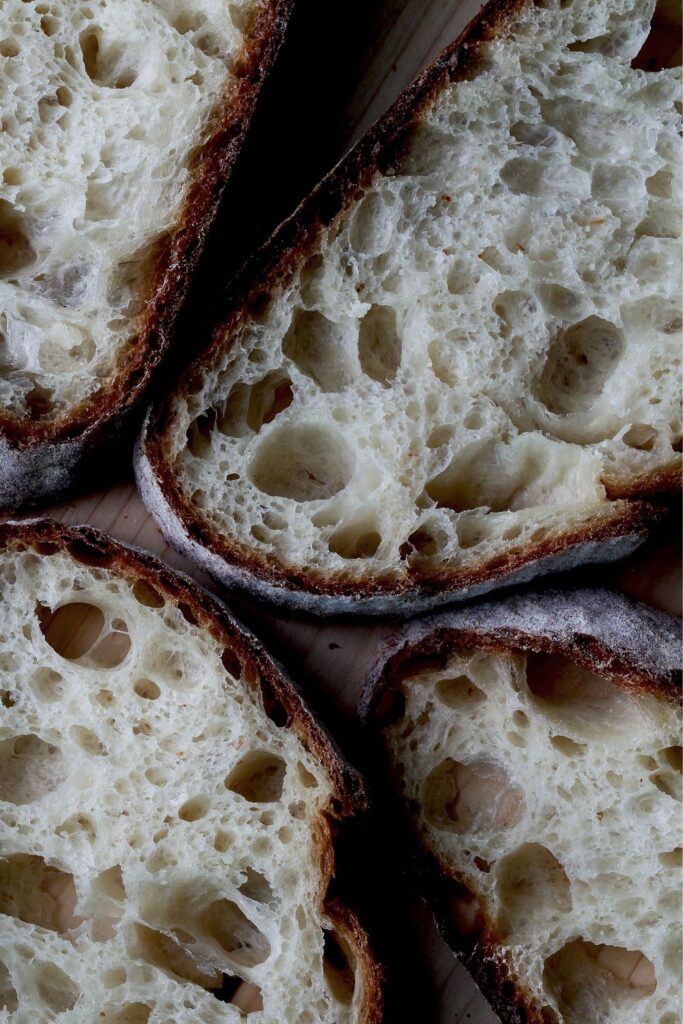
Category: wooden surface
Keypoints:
(332, 659)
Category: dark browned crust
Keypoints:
(464, 921)
(282, 702)
(377, 152)
(372, 974)
(100, 417)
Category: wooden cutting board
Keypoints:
(355, 71)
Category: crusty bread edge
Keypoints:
(349, 796)
(614, 536)
(44, 459)
(602, 631)
(239, 566)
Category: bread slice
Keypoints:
(535, 745)
(167, 805)
(455, 365)
(121, 123)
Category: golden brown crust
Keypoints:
(372, 974)
(94, 419)
(462, 917)
(288, 248)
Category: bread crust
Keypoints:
(42, 459)
(601, 631)
(617, 532)
(281, 699)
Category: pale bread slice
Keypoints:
(121, 122)
(534, 745)
(167, 806)
(456, 365)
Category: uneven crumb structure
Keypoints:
(104, 105)
(555, 795)
(164, 849)
(483, 349)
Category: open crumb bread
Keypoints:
(121, 120)
(167, 806)
(535, 746)
(457, 363)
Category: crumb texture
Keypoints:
(554, 793)
(164, 851)
(105, 104)
(482, 349)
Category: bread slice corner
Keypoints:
(534, 746)
(168, 805)
(116, 147)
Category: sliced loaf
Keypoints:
(121, 120)
(535, 746)
(167, 806)
(456, 365)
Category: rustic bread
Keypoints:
(536, 747)
(470, 370)
(121, 120)
(166, 805)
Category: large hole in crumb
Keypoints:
(198, 436)
(88, 741)
(581, 700)
(304, 462)
(474, 797)
(147, 595)
(48, 685)
(673, 756)
(323, 350)
(171, 955)
(175, 954)
(672, 858)
(257, 887)
(533, 888)
(355, 540)
(80, 632)
(668, 780)
(8, 995)
(36, 893)
(593, 983)
(459, 692)
(640, 436)
(337, 967)
(30, 768)
(106, 64)
(258, 777)
(133, 1013)
(194, 809)
(247, 997)
(372, 225)
(379, 344)
(109, 887)
(231, 417)
(269, 397)
(498, 475)
(16, 252)
(146, 689)
(580, 361)
(229, 926)
(55, 988)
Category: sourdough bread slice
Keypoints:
(167, 805)
(535, 746)
(121, 121)
(456, 362)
